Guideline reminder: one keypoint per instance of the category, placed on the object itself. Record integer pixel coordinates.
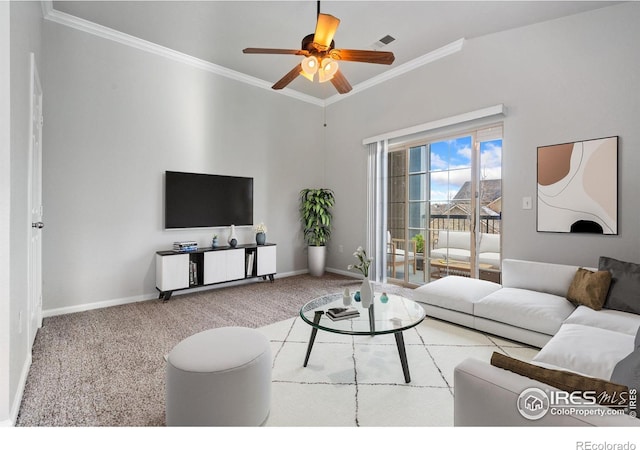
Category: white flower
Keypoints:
(260, 228)
(363, 266)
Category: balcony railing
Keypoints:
(488, 224)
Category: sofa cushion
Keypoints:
(562, 379)
(591, 351)
(589, 288)
(543, 277)
(609, 319)
(458, 254)
(454, 239)
(526, 309)
(455, 292)
(624, 293)
(489, 258)
(489, 243)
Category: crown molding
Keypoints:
(47, 7)
(141, 44)
(61, 18)
(420, 61)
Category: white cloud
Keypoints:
(491, 162)
(437, 163)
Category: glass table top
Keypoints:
(397, 314)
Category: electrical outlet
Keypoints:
(526, 203)
(340, 248)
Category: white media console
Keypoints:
(184, 270)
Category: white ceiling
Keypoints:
(217, 31)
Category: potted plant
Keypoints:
(419, 251)
(315, 215)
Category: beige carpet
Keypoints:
(105, 367)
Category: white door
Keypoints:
(34, 313)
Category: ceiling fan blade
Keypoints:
(340, 82)
(325, 30)
(288, 78)
(275, 51)
(366, 56)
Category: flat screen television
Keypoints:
(195, 200)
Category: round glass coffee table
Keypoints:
(393, 316)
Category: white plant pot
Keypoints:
(317, 257)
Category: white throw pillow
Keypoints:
(586, 350)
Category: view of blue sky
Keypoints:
(451, 165)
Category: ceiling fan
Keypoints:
(322, 57)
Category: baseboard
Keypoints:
(346, 273)
(146, 297)
(17, 400)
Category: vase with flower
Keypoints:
(261, 233)
(366, 290)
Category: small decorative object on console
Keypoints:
(214, 241)
(233, 240)
(261, 233)
(384, 298)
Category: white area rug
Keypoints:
(353, 381)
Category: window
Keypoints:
(444, 207)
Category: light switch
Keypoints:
(526, 202)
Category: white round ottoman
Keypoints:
(219, 377)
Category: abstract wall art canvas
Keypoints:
(578, 187)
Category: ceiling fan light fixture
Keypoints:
(307, 76)
(328, 69)
(310, 66)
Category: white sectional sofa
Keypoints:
(530, 307)
(456, 245)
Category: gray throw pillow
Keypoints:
(624, 292)
(627, 371)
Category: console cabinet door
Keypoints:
(235, 264)
(172, 272)
(215, 267)
(266, 260)
(223, 265)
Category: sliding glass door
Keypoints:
(444, 208)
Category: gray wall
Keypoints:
(116, 119)
(5, 207)
(25, 34)
(570, 79)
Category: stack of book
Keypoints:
(250, 259)
(185, 246)
(193, 273)
(342, 313)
